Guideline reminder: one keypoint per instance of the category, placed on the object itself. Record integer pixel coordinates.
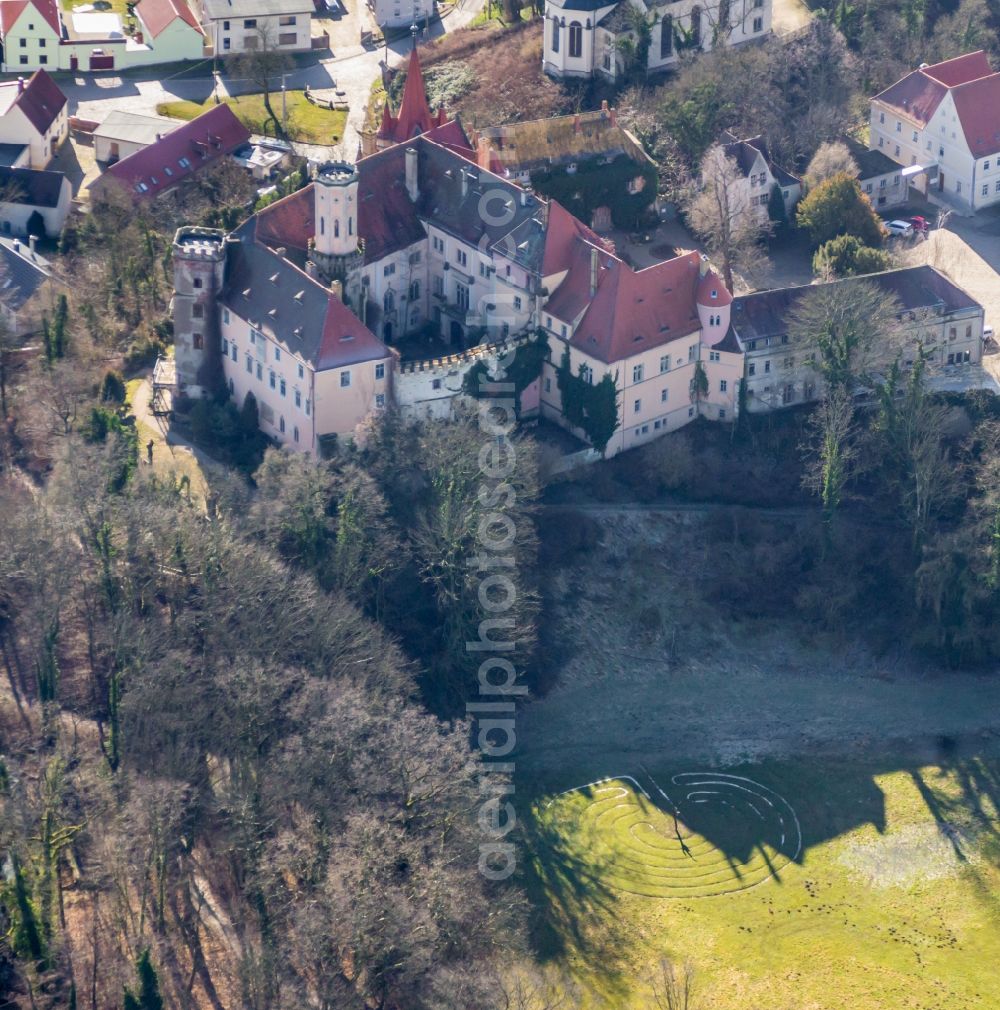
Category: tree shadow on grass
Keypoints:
(574, 913)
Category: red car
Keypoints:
(920, 224)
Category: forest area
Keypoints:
(235, 765)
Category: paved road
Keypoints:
(351, 69)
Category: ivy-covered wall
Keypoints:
(595, 184)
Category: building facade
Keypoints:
(933, 311)
(33, 115)
(401, 13)
(236, 26)
(584, 38)
(39, 35)
(758, 175)
(941, 124)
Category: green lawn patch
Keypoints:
(308, 123)
(823, 884)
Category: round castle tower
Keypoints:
(336, 243)
(199, 256)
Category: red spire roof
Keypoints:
(712, 292)
(415, 115)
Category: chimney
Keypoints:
(483, 152)
(703, 266)
(17, 246)
(604, 105)
(524, 197)
(32, 239)
(412, 185)
(20, 85)
(593, 272)
(465, 183)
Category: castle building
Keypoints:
(588, 38)
(415, 118)
(303, 303)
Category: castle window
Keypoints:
(225, 348)
(322, 226)
(281, 425)
(260, 372)
(575, 38)
(281, 387)
(295, 433)
(277, 354)
(249, 364)
(198, 341)
(197, 282)
(336, 229)
(350, 226)
(225, 316)
(233, 349)
(298, 398)
(272, 380)
(380, 371)
(414, 291)
(696, 27)
(666, 36)
(389, 301)
(345, 379)
(555, 35)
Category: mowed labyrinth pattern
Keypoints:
(703, 834)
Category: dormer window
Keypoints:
(715, 294)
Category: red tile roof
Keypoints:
(180, 153)
(11, 10)
(560, 239)
(158, 15)
(41, 101)
(630, 311)
(978, 106)
(711, 284)
(415, 116)
(918, 95)
(960, 70)
(289, 222)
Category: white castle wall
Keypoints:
(433, 388)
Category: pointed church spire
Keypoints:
(414, 113)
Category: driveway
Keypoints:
(350, 69)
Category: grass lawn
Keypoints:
(308, 123)
(817, 884)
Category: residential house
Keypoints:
(26, 191)
(30, 35)
(880, 177)
(235, 26)
(28, 288)
(176, 156)
(417, 238)
(586, 38)
(935, 311)
(569, 156)
(33, 114)
(170, 30)
(941, 123)
(37, 34)
(401, 13)
(759, 175)
(125, 133)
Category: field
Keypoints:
(307, 123)
(812, 827)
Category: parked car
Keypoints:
(902, 229)
(920, 224)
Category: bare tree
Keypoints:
(262, 64)
(851, 327)
(832, 450)
(673, 989)
(721, 214)
(829, 160)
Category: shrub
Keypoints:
(848, 256)
(113, 388)
(838, 207)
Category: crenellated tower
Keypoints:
(199, 258)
